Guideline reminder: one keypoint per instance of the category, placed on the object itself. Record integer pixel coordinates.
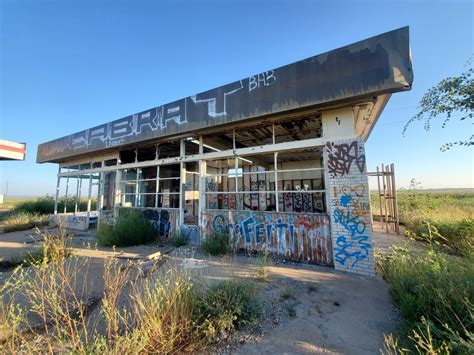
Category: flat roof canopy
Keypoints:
(375, 66)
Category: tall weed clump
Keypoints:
(44, 310)
(216, 243)
(131, 228)
(16, 221)
(435, 293)
(227, 305)
(45, 205)
(42, 302)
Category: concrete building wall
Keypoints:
(338, 124)
(349, 206)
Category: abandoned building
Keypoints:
(276, 160)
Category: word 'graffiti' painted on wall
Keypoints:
(303, 237)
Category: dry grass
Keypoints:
(47, 309)
(17, 221)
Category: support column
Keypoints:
(137, 196)
(349, 206)
(118, 192)
(78, 192)
(202, 184)
(65, 197)
(56, 196)
(89, 197)
(275, 169)
(182, 181)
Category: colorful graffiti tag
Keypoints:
(354, 247)
(349, 204)
(296, 236)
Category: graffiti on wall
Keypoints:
(296, 236)
(342, 156)
(351, 214)
(160, 219)
(213, 102)
(349, 201)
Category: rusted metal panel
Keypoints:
(380, 64)
(295, 236)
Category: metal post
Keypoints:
(237, 199)
(137, 177)
(380, 194)
(182, 181)
(89, 193)
(65, 196)
(57, 192)
(76, 207)
(275, 168)
(201, 181)
(385, 198)
(100, 200)
(389, 195)
(397, 221)
(157, 187)
(117, 193)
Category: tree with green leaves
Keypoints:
(453, 95)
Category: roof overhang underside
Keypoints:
(363, 74)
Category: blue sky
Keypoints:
(70, 65)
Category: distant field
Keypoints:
(451, 213)
(11, 202)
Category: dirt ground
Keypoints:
(341, 314)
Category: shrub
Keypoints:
(229, 304)
(312, 287)
(457, 236)
(287, 294)
(45, 205)
(131, 228)
(262, 273)
(290, 309)
(180, 240)
(436, 287)
(216, 244)
(16, 221)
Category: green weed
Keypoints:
(262, 273)
(131, 228)
(216, 244)
(312, 287)
(180, 240)
(287, 294)
(435, 293)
